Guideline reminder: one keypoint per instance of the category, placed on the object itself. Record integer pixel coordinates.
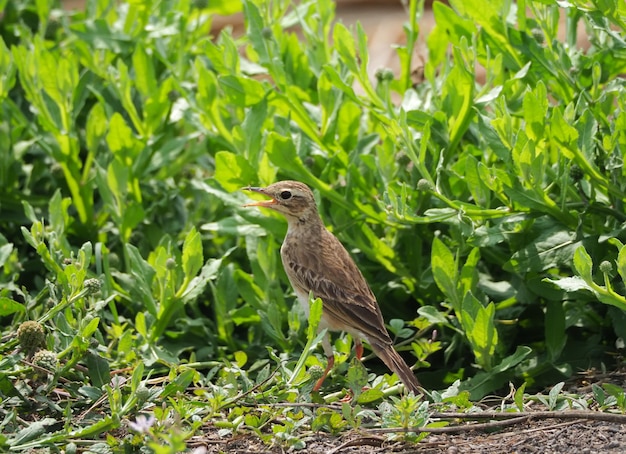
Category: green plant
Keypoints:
(476, 207)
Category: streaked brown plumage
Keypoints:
(316, 261)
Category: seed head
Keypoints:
(93, 285)
(31, 336)
(46, 360)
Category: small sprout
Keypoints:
(31, 336)
(424, 185)
(170, 264)
(606, 267)
(93, 285)
(46, 360)
(576, 173)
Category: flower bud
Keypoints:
(606, 267)
(424, 185)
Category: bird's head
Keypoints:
(291, 198)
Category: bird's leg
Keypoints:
(358, 348)
(328, 349)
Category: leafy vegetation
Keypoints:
(488, 215)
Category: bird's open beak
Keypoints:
(259, 203)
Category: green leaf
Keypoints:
(450, 28)
(479, 325)
(233, 171)
(140, 285)
(570, 284)
(344, 40)
(614, 390)
(458, 93)
(32, 431)
(180, 383)
(135, 380)
(96, 126)
(564, 133)
(98, 367)
(611, 298)
(315, 316)
(553, 395)
(121, 140)
(518, 397)
(9, 306)
(209, 272)
(140, 325)
(7, 70)
(552, 247)
(242, 91)
(433, 315)
(621, 263)
(555, 329)
(6, 249)
(145, 78)
(357, 376)
(484, 383)
(369, 396)
(192, 254)
(535, 109)
(468, 278)
(241, 358)
(58, 212)
(478, 188)
(598, 394)
(91, 327)
(583, 264)
(339, 81)
(224, 7)
(445, 271)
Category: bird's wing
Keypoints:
(329, 272)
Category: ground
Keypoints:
(544, 436)
(589, 429)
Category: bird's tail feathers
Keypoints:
(395, 363)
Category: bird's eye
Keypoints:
(285, 195)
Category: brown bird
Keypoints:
(315, 261)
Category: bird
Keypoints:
(316, 262)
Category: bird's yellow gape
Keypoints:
(315, 261)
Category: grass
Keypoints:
(487, 216)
